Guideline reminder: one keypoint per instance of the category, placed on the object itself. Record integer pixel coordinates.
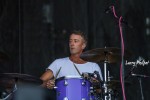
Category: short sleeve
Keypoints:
(53, 66)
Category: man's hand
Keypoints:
(50, 84)
(94, 80)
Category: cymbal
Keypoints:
(111, 55)
(117, 84)
(20, 78)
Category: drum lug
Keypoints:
(66, 83)
(83, 83)
(55, 87)
(65, 98)
(91, 89)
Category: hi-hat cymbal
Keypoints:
(117, 84)
(111, 55)
(21, 78)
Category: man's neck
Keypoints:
(76, 59)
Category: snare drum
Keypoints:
(73, 88)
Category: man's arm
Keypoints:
(46, 77)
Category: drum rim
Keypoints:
(69, 77)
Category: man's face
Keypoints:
(76, 44)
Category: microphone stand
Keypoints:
(141, 88)
(140, 82)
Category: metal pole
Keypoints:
(105, 82)
(142, 96)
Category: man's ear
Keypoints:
(83, 46)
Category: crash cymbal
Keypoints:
(111, 55)
(21, 78)
(117, 84)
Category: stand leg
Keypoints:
(141, 89)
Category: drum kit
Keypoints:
(73, 87)
(79, 88)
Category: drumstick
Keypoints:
(57, 73)
(55, 87)
(77, 69)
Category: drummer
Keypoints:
(72, 65)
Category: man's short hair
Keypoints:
(82, 34)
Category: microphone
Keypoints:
(138, 75)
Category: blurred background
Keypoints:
(33, 33)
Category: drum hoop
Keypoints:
(69, 77)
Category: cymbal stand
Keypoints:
(105, 81)
(105, 85)
(110, 91)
